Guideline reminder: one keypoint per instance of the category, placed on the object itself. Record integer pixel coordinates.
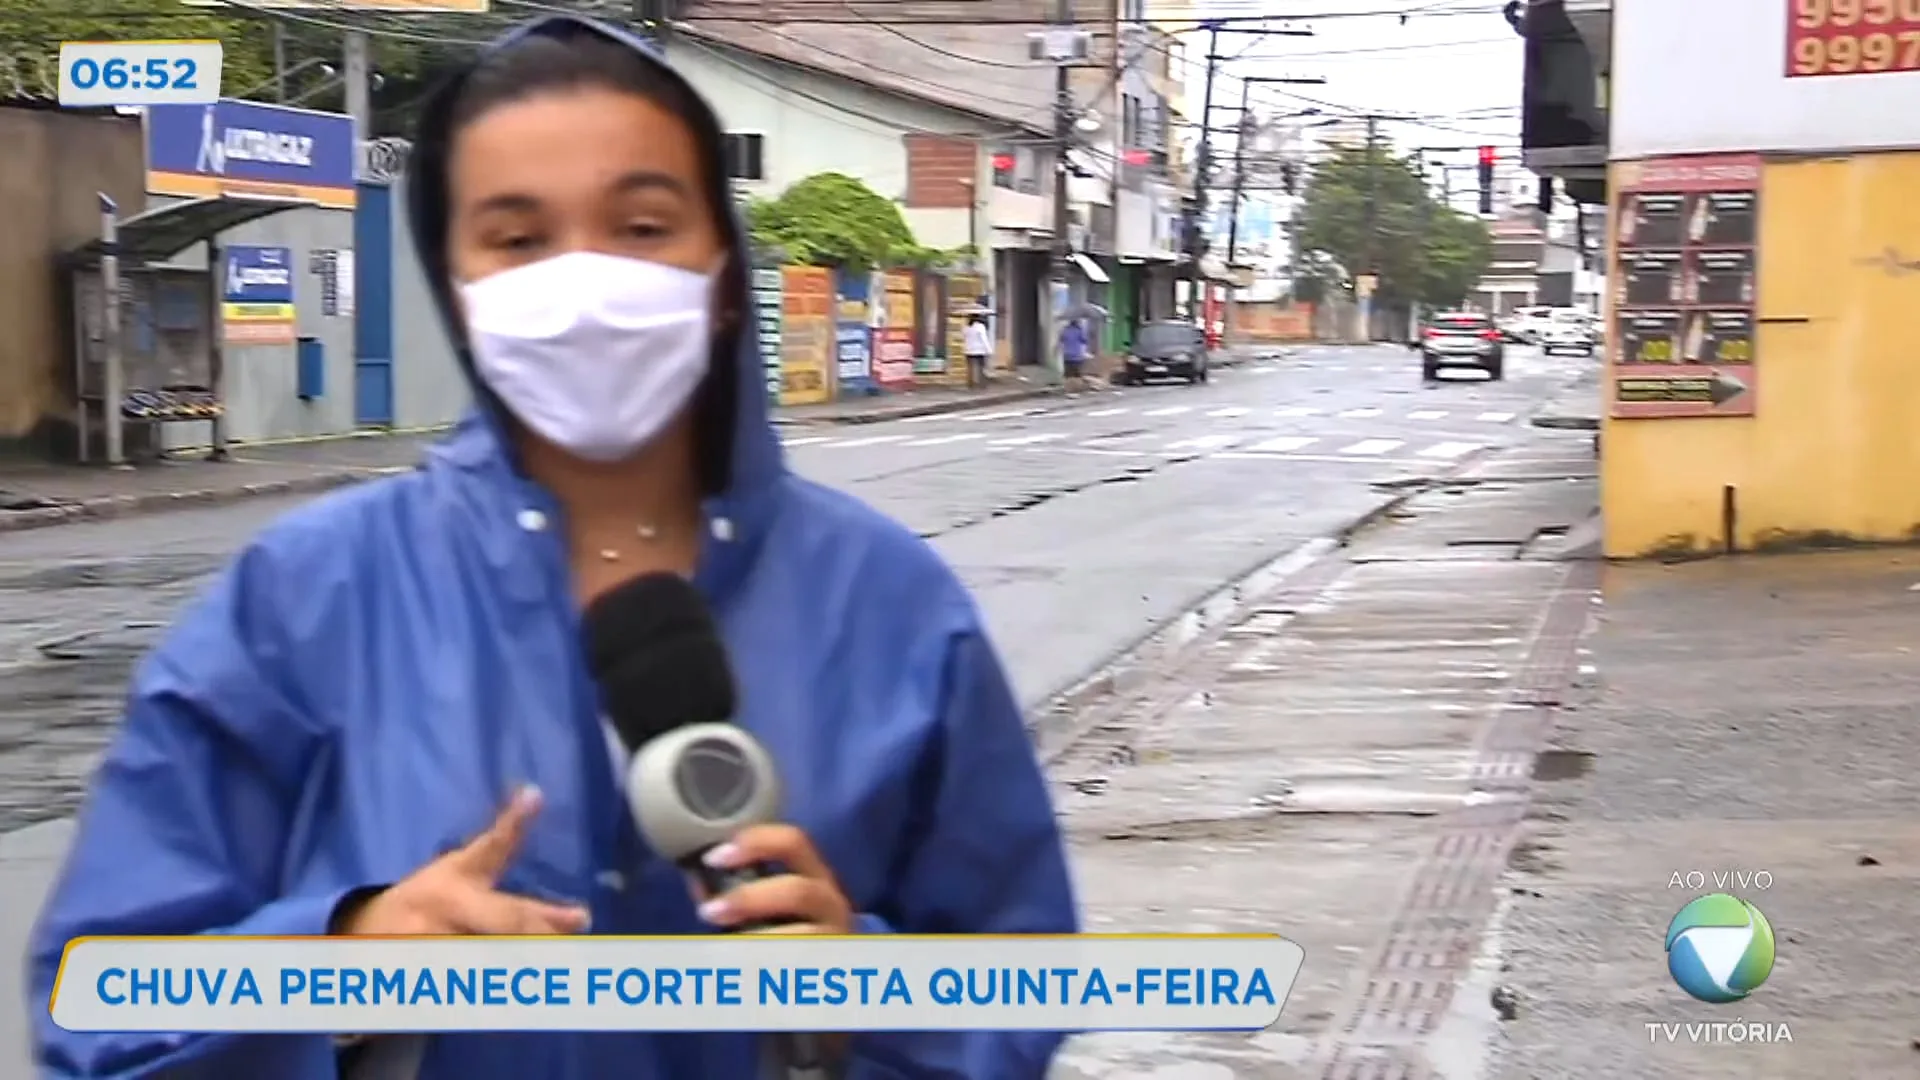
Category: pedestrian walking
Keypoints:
(978, 345)
(1073, 352)
(324, 742)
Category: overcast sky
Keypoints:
(1454, 66)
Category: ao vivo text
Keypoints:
(1722, 880)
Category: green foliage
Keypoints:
(830, 219)
(31, 32)
(1423, 252)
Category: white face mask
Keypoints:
(596, 353)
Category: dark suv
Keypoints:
(1462, 339)
(1165, 350)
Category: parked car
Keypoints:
(1526, 324)
(1462, 339)
(1165, 350)
(1568, 330)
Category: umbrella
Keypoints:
(1082, 311)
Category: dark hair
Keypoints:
(578, 57)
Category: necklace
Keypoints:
(647, 534)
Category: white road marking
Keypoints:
(869, 440)
(1106, 412)
(1205, 442)
(1427, 414)
(808, 441)
(1028, 440)
(1359, 414)
(1449, 450)
(1495, 417)
(978, 418)
(1170, 410)
(1373, 447)
(943, 440)
(1295, 410)
(926, 419)
(1286, 444)
(1234, 410)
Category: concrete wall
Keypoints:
(428, 386)
(1831, 452)
(52, 165)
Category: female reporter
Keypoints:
(325, 741)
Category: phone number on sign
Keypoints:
(1853, 37)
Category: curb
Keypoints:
(929, 408)
(110, 507)
(1567, 423)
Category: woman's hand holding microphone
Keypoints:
(458, 893)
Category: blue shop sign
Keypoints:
(247, 148)
(259, 275)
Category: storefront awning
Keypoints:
(160, 234)
(1095, 273)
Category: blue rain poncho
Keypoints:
(373, 675)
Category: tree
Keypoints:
(31, 32)
(830, 219)
(1368, 211)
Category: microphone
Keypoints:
(695, 779)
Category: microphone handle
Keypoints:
(799, 1050)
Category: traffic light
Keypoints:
(1486, 179)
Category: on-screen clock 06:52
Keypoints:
(104, 73)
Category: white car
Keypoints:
(1567, 331)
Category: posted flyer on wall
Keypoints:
(1685, 280)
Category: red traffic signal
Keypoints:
(1487, 156)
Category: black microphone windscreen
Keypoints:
(657, 655)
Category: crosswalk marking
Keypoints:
(1495, 417)
(1295, 410)
(1286, 444)
(977, 418)
(807, 441)
(1205, 442)
(1449, 450)
(1230, 411)
(1359, 414)
(1427, 414)
(1028, 440)
(870, 440)
(1170, 410)
(1106, 412)
(926, 419)
(1373, 447)
(944, 440)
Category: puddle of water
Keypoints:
(1552, 765)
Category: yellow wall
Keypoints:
(1833, 451)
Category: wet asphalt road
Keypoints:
(1082, 524)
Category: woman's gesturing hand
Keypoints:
(805, 900)
(457, 893)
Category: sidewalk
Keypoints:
(1576, 408)
(36, 494)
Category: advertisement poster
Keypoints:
(853, 335)
(769, 289)
(893, 331)
(256, 300)
(1852, 37)
(806, 334)
(1686, 267)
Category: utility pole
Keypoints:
(1197, 206)
(1059, 50)
(357, 77)
(280, 60)
(1369, 274)
(1239, 152)
(654, 15)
